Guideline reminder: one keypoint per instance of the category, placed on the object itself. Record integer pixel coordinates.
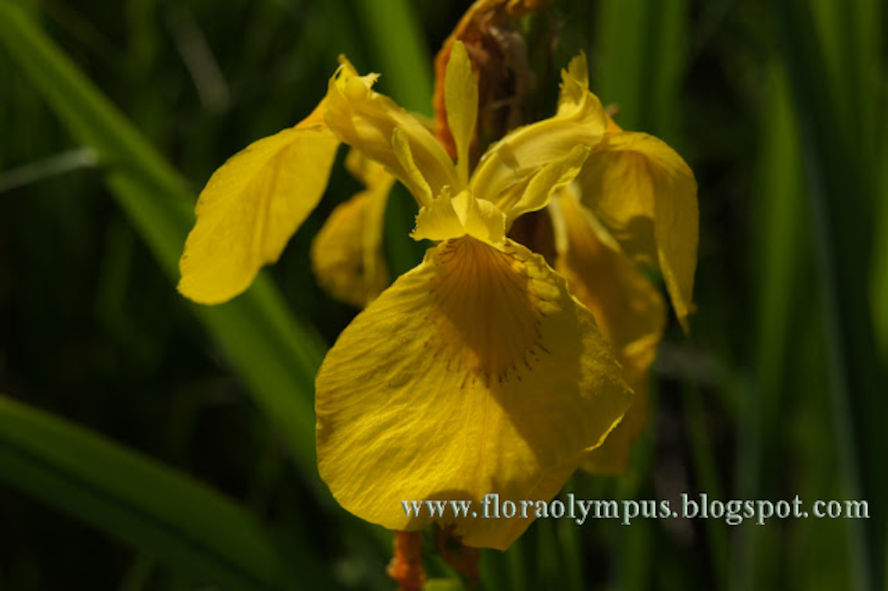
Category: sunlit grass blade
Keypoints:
(641, 57)
(275, 354)
(621, 35)
(840, 189)
(778, 274)
(135, 498)
(397, 42)
(849, 37)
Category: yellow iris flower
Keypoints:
(634, 202)
(478, 371)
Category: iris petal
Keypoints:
(367, 120)
(546, 183)
(461, 100)
(476, 372)
(628, 309)
(447, 217)
(346, 254)
(251, 207)
(646, 196)
(581, 121)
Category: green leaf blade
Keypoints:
(275, 354)
(135, 498)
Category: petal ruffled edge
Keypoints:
(580, 121)
(368, 121)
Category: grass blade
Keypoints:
(840, 186)
(879, 271)
(779, 260)
(642, 50)
(705, 469)
(398, 45)
(275, 354)
(135, 498)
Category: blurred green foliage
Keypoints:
(112, 118)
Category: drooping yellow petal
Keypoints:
(251, 207)
(476, 372)
(461, 100)
(346, 254)
(628, 309)
(366, 120)
(646, 196)
(524, 151)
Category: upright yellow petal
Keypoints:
(476, 372)
(461, 100)
(412, 175)
(367, 120)
(646, 196)
(628, 309)
(346, 254)
(251, 207)
(546, 183)
(525, 150)
(574, 85)
(492, 33)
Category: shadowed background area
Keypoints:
(150, 444)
